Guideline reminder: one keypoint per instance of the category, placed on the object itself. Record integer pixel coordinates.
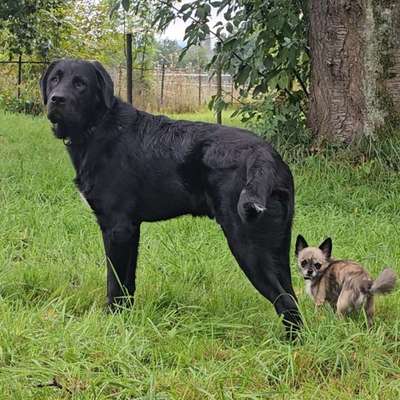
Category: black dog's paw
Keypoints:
(249, 206)
(251, 211)
(119, 304)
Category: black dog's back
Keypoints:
(181, 166)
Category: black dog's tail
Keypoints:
(261, 178)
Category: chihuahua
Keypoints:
(344, 284)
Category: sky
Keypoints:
(176, 31)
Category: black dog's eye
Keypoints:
(317, 265)
(79, 84)
(54, 79)
(303, 263)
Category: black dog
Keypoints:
(132, 166)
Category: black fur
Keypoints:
(132, 167)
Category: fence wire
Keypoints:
(158, 89)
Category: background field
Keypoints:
(198, 329)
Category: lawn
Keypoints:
(198, 329)
(206, 115)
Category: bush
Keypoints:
(281, 121)
(29, 101)
(24, 104)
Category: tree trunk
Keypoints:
(355, 68)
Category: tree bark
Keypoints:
(355, 68)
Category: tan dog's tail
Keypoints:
(384, 283)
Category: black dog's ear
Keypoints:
(43, 80)
(106, 84)
(300, 244)
(326, 247)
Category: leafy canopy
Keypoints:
(263, 43)
(29, 26)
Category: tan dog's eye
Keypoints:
(303, 263)
(317, 265)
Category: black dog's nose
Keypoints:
(309, 272)
(57, 99)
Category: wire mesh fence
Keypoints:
(172, 89)
(158, 89)
(19, 85)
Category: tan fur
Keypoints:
(344, 284)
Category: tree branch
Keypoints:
(198, 22)
(302, 84)
(299, 102)
(221, 40)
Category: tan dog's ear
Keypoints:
(300, 244)
(326, 248)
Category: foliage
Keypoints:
(76, 29)
(169, 51)
(88, 32)
(279, 119)
(24, 104)
(263, 44)
(196, 56)
(138, 21)
(198, 329)
(30, 26)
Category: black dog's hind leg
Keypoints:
(259, 181)
(121, 246)
(262, 251)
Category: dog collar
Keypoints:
(67, 141)
(87, 134)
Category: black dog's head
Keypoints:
(76, 93)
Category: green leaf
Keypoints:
(201, 12)
(126, 4)
(261, 88)
(243, 74)
(186, 16)
(219, 104)
(185, 7)
(115, 8)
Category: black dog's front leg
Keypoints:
(121, 246)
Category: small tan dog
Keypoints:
(344, 284)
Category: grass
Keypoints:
(198, 329)
(206, 115)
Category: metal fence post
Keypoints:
(162, 82)
(199, 87)
(129, 72)
(19, 81)
(119, 79)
